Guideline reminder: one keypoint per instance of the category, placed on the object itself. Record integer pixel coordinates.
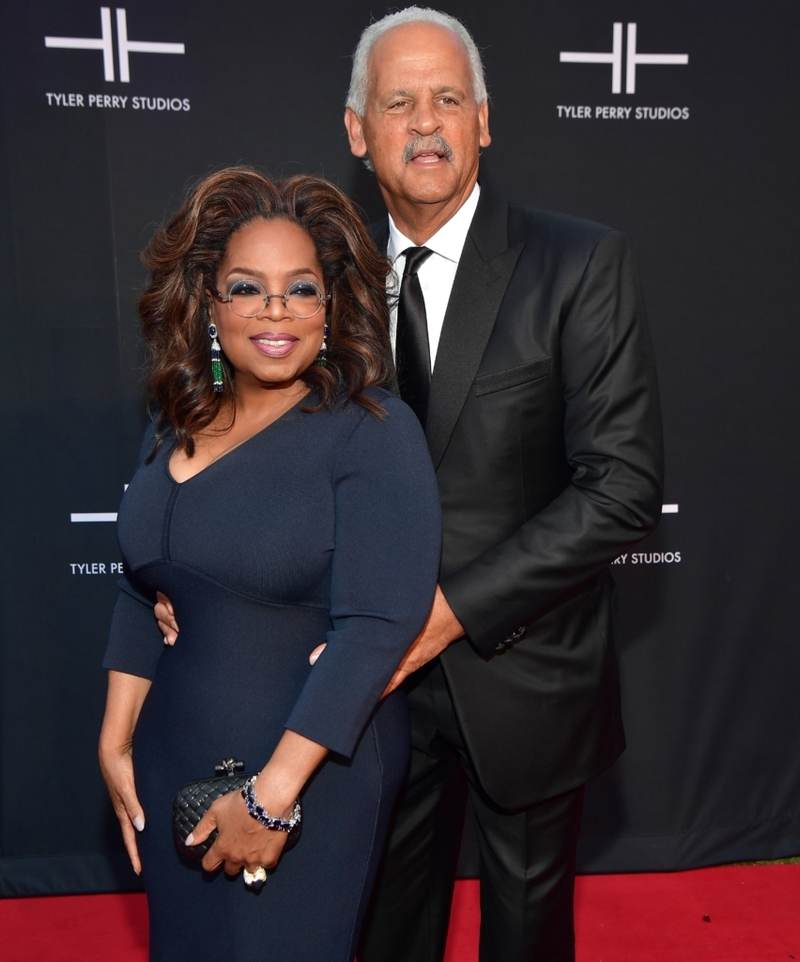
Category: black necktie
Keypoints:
(412, 350)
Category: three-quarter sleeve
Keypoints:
(384, 570)
(135, 642)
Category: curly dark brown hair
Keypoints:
(183, 259)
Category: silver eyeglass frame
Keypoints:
(228, 299)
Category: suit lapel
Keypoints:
(484, 271)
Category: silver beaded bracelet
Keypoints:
(262, 816)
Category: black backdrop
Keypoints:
(703, 187)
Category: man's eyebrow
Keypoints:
(397, 93)
(446, 89)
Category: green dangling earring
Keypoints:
(216, 359)
(322, 357)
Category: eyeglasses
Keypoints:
(249, 297)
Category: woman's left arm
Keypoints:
(383, 574)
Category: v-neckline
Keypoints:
(232, 450)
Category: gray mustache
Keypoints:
(422, 144)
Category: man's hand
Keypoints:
(441, 629)
(165, 616)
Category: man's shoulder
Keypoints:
(500, 223)
(569, 242)
(526, 221)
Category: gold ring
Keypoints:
(255, 879)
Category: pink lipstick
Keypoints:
(275, 344)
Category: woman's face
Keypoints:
(274, 347)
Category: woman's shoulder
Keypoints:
(390, 402)
(392, 413)
(385, 399)
(393, 433)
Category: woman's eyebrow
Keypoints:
(302, 270)
(246, 270)
(256, 273)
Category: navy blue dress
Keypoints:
(323, 527)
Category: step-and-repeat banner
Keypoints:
(672, 121)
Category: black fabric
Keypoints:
(487, 383)
(265, 559)
(412, 349)
(527, 856)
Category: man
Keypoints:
(543, 424)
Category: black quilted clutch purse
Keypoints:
(195, 798)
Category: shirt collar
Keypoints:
(448, 241)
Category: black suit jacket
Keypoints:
(545, 431)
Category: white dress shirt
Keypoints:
(437, 273)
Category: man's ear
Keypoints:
(355, 133)
(483, 120)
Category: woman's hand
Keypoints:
(126, 695)
(242, 842)
(116, 764)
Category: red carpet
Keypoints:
(729, 914)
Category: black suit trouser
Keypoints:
(527, 857)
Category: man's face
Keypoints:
(421, 127)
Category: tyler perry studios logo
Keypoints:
(80, 568)
(104, 44)
(631, 60)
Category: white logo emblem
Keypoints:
(105, 43)
(632, 60)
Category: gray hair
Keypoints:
(359, 78)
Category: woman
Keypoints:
(283, 501)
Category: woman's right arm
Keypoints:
(126, 695)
